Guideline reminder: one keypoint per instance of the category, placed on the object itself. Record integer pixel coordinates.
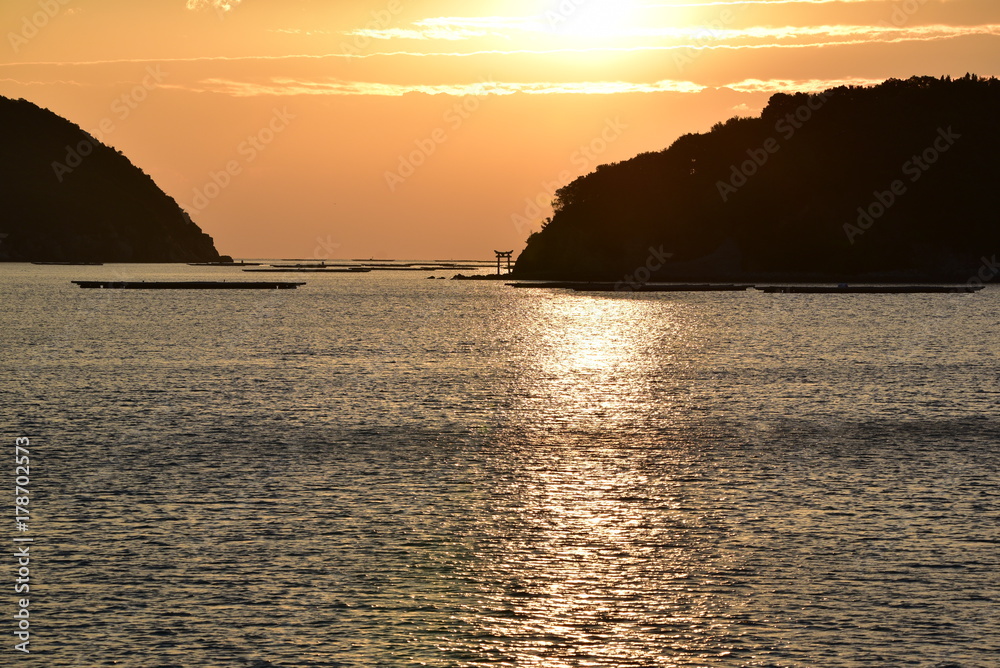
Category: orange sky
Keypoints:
(404, 129)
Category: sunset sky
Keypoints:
(405, 129)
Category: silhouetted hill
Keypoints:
(893, 182)
(66, 197)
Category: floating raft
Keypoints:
(710, 287)
(625, 287)
(867, 289)
(679, 287)
(71, 264)
(360, 266)
(224, 264)
(417, 267)
(310, 270)
(189, 285)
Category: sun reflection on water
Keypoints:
(598, 558)
(598, 554)
(598, 363)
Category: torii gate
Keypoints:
(501, 255)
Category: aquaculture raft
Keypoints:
(190, 285)
(625, 287)
(310, 270)
(714, 287)
(868, 289)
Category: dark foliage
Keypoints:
(809, 163)
(94, 207)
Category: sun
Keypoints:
(592, 18)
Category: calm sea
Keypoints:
(382, 470)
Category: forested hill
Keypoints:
(893, 182)
(66, 197)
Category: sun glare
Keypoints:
(593, 18)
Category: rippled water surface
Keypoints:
(379, 470)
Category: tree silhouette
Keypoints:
(64, 196)
(777, 195)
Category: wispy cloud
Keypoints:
(757, 38)
(220, 5)
(451, 29)
(796, 85)
(49, 82)
(290, 87)
(825, 35)
(284, 87)
(298, 31)
(454, 28)
(447, 34)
